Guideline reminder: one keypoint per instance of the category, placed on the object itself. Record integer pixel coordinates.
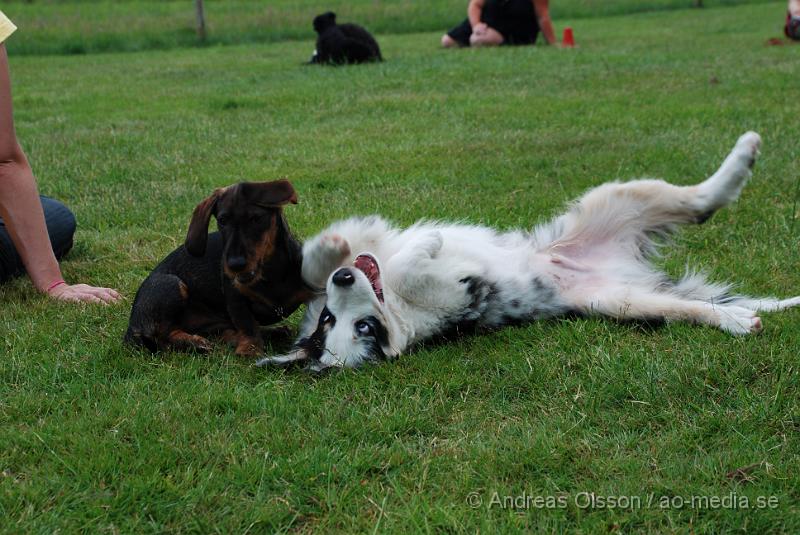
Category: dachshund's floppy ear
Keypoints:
(197, 236)
(271, 194)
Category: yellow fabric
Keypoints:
(6, 27)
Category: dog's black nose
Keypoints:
(343, 277)
(236, 263)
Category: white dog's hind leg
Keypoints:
(640, 304)
(724, 186)
(737, 320)
(614, 210)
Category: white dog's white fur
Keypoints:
(436, 276)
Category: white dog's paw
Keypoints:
(321, 256)
(327, 249)
(747, 148)
(726, 184)
(334, 246)
(433, 243)
(738, 320)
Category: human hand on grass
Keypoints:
(480, 28)
(83, 293)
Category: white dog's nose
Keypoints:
(343, 277)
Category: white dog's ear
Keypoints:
(295, 357)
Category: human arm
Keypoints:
(542, 8)
(474, 12)
(22, 212)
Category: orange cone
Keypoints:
(569, 39)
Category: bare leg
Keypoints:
(449, 42)
(488, 37)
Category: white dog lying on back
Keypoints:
(387, 289)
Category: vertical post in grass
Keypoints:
(201, 20)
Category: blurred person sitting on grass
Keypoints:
(502, 22)
(35, 231)
(792, 28)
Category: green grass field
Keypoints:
(96, 437)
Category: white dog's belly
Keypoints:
(569, 277)
(480, 277)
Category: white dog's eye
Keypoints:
(363, 328)
(326, 318)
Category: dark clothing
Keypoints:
(792, 28)
(515, 19)
(60, 226)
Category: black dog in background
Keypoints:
(343, 43)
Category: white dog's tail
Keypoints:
(695, 286)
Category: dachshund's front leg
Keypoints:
(246, 336)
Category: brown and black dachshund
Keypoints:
(228, 283)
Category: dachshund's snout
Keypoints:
(236, 263)
(343, 277)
